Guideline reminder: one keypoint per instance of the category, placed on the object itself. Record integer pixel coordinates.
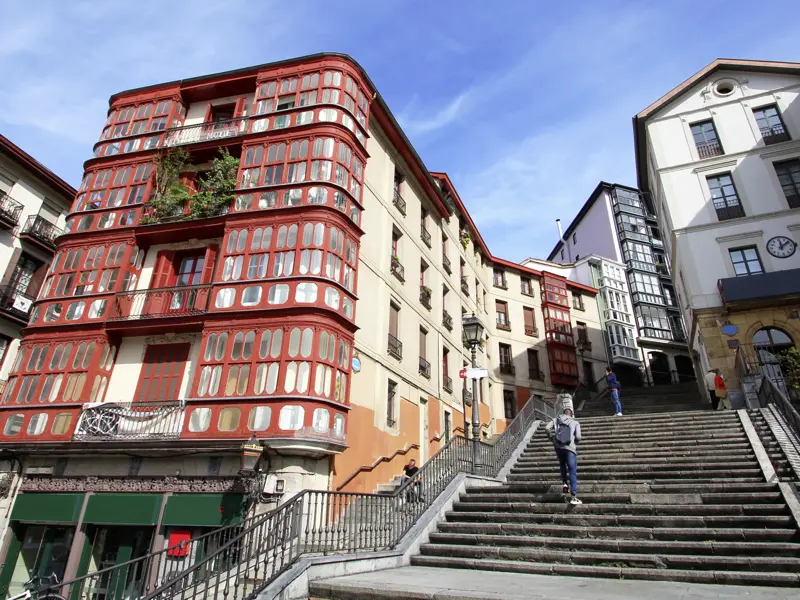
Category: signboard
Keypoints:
(473, 373)
(22, 304)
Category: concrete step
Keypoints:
(631, 499)
(624, 508)
(662, 464)
(672, 487)
(639, 474)
(622, 545)
(695, 576)
(664, 417)
(642, 457)
(656, 560)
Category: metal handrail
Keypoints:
(327, 522)
(10, 209)
(151, 303)
(40, 228)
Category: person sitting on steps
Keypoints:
(413, 491)
(565, 432)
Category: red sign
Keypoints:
(462, 373)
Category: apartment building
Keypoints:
(257, 267)
(616, 223)
(719, 156)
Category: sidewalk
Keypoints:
(425, 583)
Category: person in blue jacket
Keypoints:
(614, 387)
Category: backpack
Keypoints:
(563, 434)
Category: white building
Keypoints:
(615, 224)
(720, 157)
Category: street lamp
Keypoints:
(472, 332)
(250, 473)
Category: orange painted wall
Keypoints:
(434, 424)
(523, 394)
(500, 425)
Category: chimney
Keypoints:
(560, 232)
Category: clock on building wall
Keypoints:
(781, 246)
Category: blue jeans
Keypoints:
(568, 461)
(615, 400)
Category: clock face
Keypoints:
(781, 247)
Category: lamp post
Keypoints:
(250, 471)
(472, 332)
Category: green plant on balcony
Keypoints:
(464, 237)
(172, 197)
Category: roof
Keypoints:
(383, 115)
(27, 161)
(726, 64)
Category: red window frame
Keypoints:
(161, 374)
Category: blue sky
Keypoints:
(526, 104)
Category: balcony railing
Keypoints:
(425, 296)
(204, 132)
(775, 134)
(464, 285)
(447, 320)
(446, 264)
(41, 229)
(466, 396)
(395, 347)
(621, 351)
(447, 382)
(10, 210)
(656, 333)
(130, 421)
(793, 199)
(161, 303)
(531, 331)
(656, 242)
(507, 368)
(503, 324)
(635, 236)
(398, 202)
(642, 266)
(426, 236)
(662, 269)
(397, 269)
(709, 149)
(729, 212)
(320, 434)
(535, 373)
(16, 303)
(424, 368)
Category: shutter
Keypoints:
(241, 108)
(529, 322)
(209, 262)
(423, 350)
(164, 273)
(393, 319)
(35, 284)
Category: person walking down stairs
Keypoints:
(614, 387)
(711, 386)
(720, 391)
(565, 432)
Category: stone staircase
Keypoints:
(678, 397)
(673, 496)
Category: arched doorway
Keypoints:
(659, 368)
(685, 368)
(771, 344)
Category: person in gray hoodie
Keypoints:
(565, 432)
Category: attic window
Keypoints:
(724, 87)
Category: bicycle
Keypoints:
(37, 588)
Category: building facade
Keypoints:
(256, 256)
(615, 223)
(719, 156)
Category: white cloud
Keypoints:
(417, 125)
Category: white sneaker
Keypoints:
(574, 500)
(565, 489)
(619, 414)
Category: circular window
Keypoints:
(724, 88)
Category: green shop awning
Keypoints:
(47, 508)
(123, 509)
(204, 510)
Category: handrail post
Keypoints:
(476, 421)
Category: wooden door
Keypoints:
(162, 372)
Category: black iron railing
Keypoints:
(425, 296)
(726, 212)
(447, 382)
(531, 331)
(131, 421)
(397, 269)
(466, 396)
(205, 132)
(41, 229)
(240, 561)
(395, 347)
(507, 368)
(424, 368)
(464, 285)
(10, 209)
(774, 134)
(447, 320)
(446, 264)
(161, 303)
(399, 203)
(426, 236)
(16, 303)
(503, 323)
(535, 373)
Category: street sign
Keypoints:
(476, 373)
(462, 373)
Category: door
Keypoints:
(113, 546)
(588, 374)
(162, 373)
(659, 368)
(44, 551)
(190, 273)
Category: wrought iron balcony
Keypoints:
(397, 269)
(503, 323)
(446, 264)
(661, 269)
(398, 202)
(426, 236)
(161, 303)
(583, 345)
(424, 368)
(10, 211)
(16, 304)
(395, 347)
(205, 132)
(531, 331)
(464, 285)
(425, 296)
(709, 149)
(466, 396)
(507, 368)
(774, 134)
(534, 373)
(41, 230)
(729, 212)
(130, 421)
(447, 320)
(447, 382)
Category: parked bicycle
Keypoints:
(39, 588)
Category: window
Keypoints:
(505, 355)
(746, 261)
(229, 418)
(789, 176)
(534, 370)
(502, 315)
(395, 346)
(529, 318)
(291, 418)
(200, 420)
(770, 124)
(577, 301)
(499, 278)
(390, 403)
(724, 196)
(259, 417)
(574, 238)
(526, 287)
(509, 406)
(583, 332)
(706, 140)
(161, 373)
